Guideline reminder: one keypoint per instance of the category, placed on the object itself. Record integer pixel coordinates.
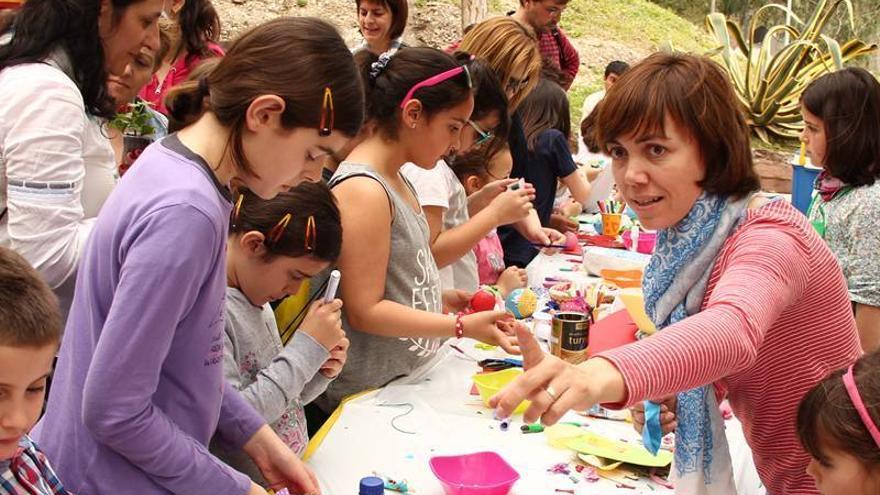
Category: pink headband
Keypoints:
(435, 80)
(850, 383)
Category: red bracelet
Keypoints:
(459, 325)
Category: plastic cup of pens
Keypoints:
(611, 223)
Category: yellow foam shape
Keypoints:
(616, 450)
(489, 384)
(558, 435)
(634, 301)
(599, 463)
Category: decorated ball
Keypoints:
(522, 302)
(483, 300)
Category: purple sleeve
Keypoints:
(154, 292)
(238, 418)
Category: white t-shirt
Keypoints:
(441, 188)
(590, 103)
(56, 169)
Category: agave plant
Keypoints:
(769, 85)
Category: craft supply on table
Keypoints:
(371, 485)
(535, 428)
(480, 473)
(483, 299)
(521, 302)
(570, 336)
(611, 223)
(489, 384)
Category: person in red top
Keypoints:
(543, 16)
(749, 301)
(193, 28)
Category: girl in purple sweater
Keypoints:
(139, 386)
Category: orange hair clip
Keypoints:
(236, 210)
(278, 229)
(328, 114)
(311, 234)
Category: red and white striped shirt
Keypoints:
(775, 321)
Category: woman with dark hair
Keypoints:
(842, 135)
(749, 302)
(57, 166)
(193, 28)
(547, 126)
(381, 23)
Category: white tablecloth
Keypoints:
(435, 406)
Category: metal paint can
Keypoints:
(570, 336)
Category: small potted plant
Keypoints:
(135, 127)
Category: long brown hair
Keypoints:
(695, 93)
(259, 63)
(506, 45)
(545, 108)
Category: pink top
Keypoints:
(776, 320)
(490, 258)
(154, 92)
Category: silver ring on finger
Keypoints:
(551, 393)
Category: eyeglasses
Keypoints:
(435, 80)
(490, 174)
(277, 231)
(515, 85)
(484, 135)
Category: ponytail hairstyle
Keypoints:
(199, 26)
(39, 27)
(389, 77)
(301, 222)
(259, 63)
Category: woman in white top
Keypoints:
(56, 164)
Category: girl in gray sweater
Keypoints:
(273, 247)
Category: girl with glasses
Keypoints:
(453, 230)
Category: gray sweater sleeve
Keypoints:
(285, 378)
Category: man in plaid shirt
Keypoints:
(543, 16)
(30, 330)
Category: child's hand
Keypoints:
(333, 366)
(323, 323)
(455, 300)
(511, 206)
(668, 420)
(513, 277)
(491, 327)
(562, 223)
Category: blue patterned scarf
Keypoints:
(674, 285)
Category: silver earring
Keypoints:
(413, 125)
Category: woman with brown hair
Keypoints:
(750, 302)
(511, 50)
(381, 23)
